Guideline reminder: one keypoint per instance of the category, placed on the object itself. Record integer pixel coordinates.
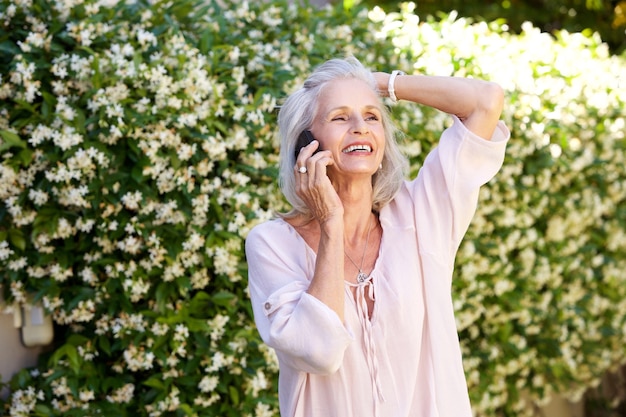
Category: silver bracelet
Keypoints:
(391, 85)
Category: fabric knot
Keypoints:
(366, 325)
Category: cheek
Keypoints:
(381, 153)
(382, 141)
(327, 137)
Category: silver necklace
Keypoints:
(361, 276)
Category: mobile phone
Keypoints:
(304, 139)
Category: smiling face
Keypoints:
(349, 124)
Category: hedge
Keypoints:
(138, 149)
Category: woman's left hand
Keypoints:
(382, 80)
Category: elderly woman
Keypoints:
(352, 287)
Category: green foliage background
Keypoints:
(138, 150)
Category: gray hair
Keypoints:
(298, 113)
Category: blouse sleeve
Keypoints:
(445, 193)
(306, 334)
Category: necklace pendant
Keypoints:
(361, 277)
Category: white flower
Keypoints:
(38, 197)
(258, 383)
(146, 38)
(64, 229)
(60, 274)
(200, 279)
(86, 395)
(85, 226)
(195, 242)
(131, 245)
(131, 200)
(218, 326)
(17, 291)
(173, 271)
(138, 359)
(124, 394)
(181, 333)
(159, 329)
(18, 264)
(208, 383)
(64, 110)
(186, 151)
(23, 402)
(5, 251)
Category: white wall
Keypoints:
(13, 355)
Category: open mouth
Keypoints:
(357, 148)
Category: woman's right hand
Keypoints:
(314, 186)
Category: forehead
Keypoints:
(348, 92)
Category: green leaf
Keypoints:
(104, 344)
(155, 382)
(187, 409)
(69, 352)
(49, 104)
(200, 304)
(26, 105)
(43, 410)
(223, 298)
(197, 325)
(25, 157)
(234, 395)
(17, 238)
(11, 140)
(9, 48)
(23, 377)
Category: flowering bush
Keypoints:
(138, 149)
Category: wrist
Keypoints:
(391, 84)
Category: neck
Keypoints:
(358, 240)
(357, 225)
(357, 216)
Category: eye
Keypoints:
(372, 118)
(340, 117)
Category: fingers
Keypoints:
(313, 185)
(307, 151)
(310, 172)
(382, 79)
(303, 162)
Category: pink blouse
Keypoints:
(406, 360)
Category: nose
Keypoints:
(359, 126)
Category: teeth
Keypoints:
(357, 148)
